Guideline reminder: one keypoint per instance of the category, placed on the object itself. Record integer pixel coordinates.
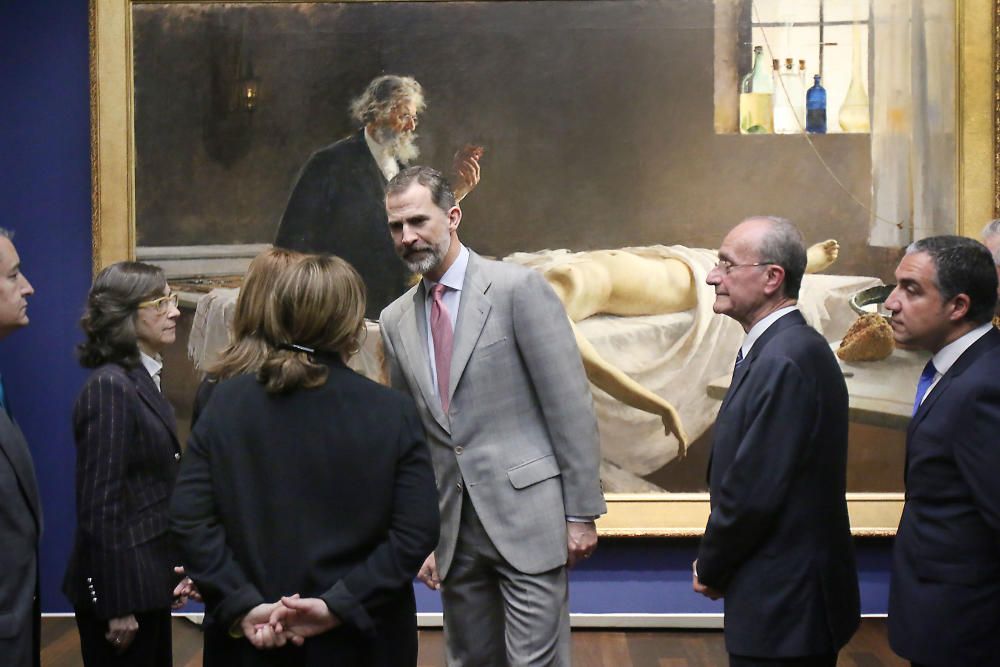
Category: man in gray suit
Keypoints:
(20, 507)
(486, 350)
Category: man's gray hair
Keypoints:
(384, 94)
(992, 229)
(783, 245)
(441, 193)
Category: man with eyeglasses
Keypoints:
(20, 504)
(338, 203)
(777, 546)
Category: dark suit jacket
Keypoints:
(20, 529)
(944, 599)
(337, 207)
(778, 540)
(127, 458)
(326, 492)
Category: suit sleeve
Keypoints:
(105, 425)
(412, 535)
(396, 379)
(201, 538)
(755, 487)
(978, 456)
(308, 207)
(549, 350)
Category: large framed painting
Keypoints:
(649, 127)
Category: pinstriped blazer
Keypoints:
(127, 458)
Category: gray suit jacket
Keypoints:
(520, 433)
(20, 529)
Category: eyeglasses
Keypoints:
(724, 266)
(409, 118)
(162, 304)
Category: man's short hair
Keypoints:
(783, 245)
(964, 266)
(384, 94)
(992, 229)
(6, 233)
(441, 193)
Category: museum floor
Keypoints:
(591, 648)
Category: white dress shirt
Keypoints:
(153, 366)
(757, 330)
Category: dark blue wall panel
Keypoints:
(45, 198)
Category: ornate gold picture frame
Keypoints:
(977, 161)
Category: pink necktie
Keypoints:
(442, 335)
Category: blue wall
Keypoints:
(45, 198)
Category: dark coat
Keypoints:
(944, 598)
(325, 492)
(778, 541)
(20, 529)
(127, 458)
(337, 207)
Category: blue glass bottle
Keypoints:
(816, 108)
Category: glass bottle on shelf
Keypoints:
(854, 110)
(756, 97)
(789, 101)
(816, 108)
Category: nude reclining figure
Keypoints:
(619, 282)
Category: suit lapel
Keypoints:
(152, 396)
(14, 447)
(473, 310)
(791, 319)
(413, 335)
(987, 342)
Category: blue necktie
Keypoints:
(3, 399)
(739, 358)
(926, 379)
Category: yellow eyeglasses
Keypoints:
(162, 305)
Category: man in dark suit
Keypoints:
(20, 506)
(944, 598)
(778, 544)
(486, 350)
(337, 206)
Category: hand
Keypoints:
(581, 540)
(299, 618)
(672, 425)
(183, 590)
(257, 629)
(121, 632)
(465, 169)
(707, 591)
(429, 573)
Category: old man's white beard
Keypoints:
(401, 145)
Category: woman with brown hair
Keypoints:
(306, 502)
(121, 577)
(246, 349)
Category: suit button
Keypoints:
(459, 450)
(177, 456)
(459, 486)
(90, 579)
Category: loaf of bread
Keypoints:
(868, 339)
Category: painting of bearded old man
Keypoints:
(337, 206)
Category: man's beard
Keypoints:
(429, 257)
(401, 145)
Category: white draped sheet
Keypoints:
(674, 355)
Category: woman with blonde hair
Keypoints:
(246, 349)
(306, 502)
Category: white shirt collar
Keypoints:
(385, 160)
(757, 330)
(153, 366)
(454, 277)
(946, 357)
